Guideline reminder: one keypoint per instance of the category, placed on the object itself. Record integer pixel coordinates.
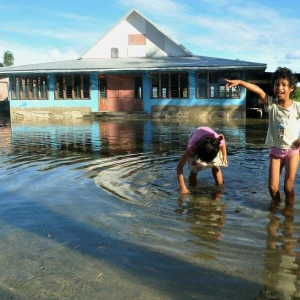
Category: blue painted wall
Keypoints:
(147, 101)
(51, 102)
(192, 100)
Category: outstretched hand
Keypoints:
(232, 83)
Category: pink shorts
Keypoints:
(282, 154)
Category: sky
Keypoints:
(263, 31)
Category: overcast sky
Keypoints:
(264, 31)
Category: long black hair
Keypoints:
(208, 148)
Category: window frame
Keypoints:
(68, 87)
(215, 81)
(169, 85)
(26, 88)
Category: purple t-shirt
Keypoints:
(200, 133)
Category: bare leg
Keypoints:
(291, 167)
(216, 171)
(275, 169)
(193, 179)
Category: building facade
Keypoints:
(134, 67)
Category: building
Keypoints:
(134, 67)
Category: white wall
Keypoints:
(157, 44)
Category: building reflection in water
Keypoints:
(51, 138)
(281, 273)
(5, 136)
(101, 139)
(121, 137)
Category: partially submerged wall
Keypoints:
(158, 112)
(199, 112)
(49, 113)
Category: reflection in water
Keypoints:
(206, 215)
(56, 139)
(93, 207)
(5, 135)
(121, 137)
(281, 274)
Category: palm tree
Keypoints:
(8, 59)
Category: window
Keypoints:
(85, 87)
(136, 39)
(169, 85)
(213, 85)
(114, 52)
(72, 87)
(29, 88)
(102, 86)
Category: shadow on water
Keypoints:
(173, 277)
(92, 210)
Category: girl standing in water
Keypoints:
(283, 131)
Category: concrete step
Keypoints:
(120, 114)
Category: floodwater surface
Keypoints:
(91, 210)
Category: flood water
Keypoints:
(91, 210)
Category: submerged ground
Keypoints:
(91, 210)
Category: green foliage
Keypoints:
(296, 95)
(8, 59)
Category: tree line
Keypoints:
(8, 59)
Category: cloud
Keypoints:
(30, 55)
(62, 34)
(254, 11)
(76, 17)
(56, 55)
(293, 55)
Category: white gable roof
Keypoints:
(156, 43)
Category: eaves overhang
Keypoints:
(113, 65)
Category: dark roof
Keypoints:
(106, 65)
